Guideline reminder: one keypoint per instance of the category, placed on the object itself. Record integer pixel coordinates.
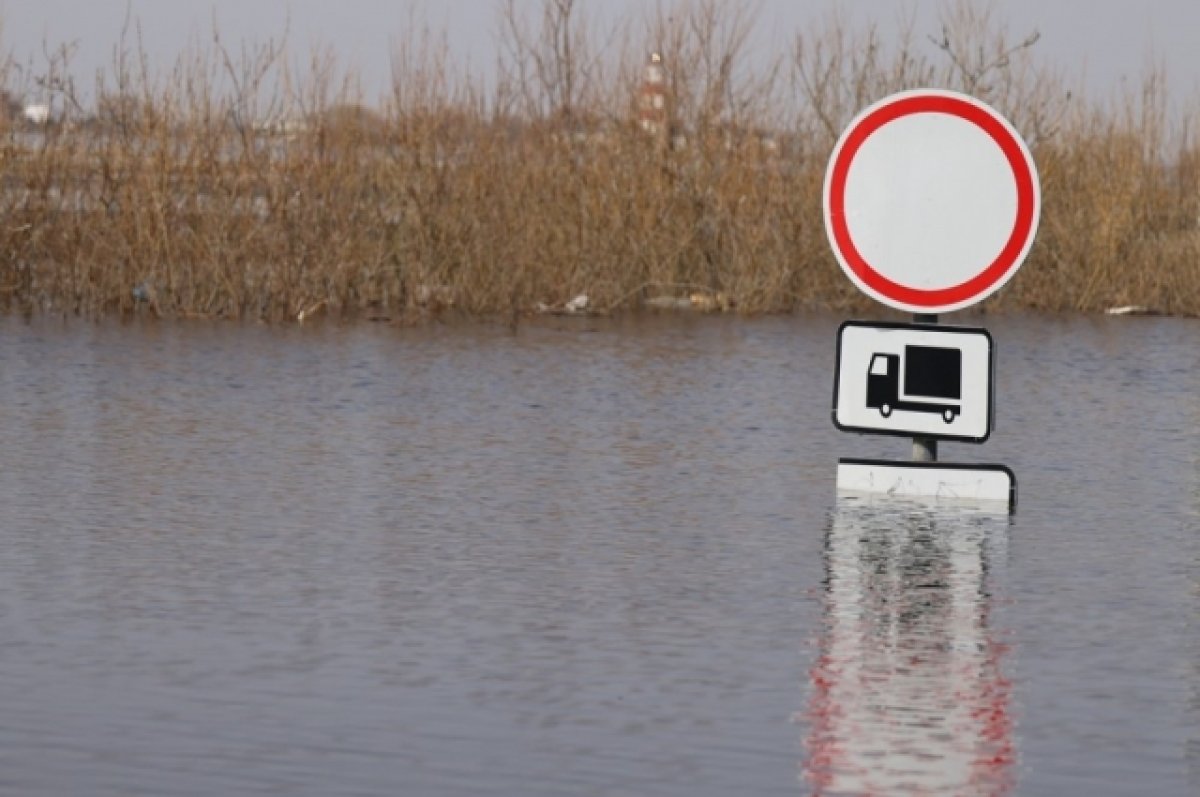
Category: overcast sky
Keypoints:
(1104, 42)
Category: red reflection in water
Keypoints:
(908, 694)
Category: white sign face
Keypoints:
(931, 201)
(914, 380)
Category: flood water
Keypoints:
(591, 557)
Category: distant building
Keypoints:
(37, 114)
(652, 100)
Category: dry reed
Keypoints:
(238, 186)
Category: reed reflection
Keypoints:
(908, 693)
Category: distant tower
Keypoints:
(652, 101)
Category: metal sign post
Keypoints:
(931, 203)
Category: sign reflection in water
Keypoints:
(908, 692)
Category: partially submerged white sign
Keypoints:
(914, 379)
(941, 481)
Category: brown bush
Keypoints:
(233, 187)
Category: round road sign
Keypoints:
(931, 201)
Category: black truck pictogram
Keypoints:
(932, 381)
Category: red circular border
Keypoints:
(976, 286)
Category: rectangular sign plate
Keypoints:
(947, 481)
(914, 380)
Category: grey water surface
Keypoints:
(588, 557)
